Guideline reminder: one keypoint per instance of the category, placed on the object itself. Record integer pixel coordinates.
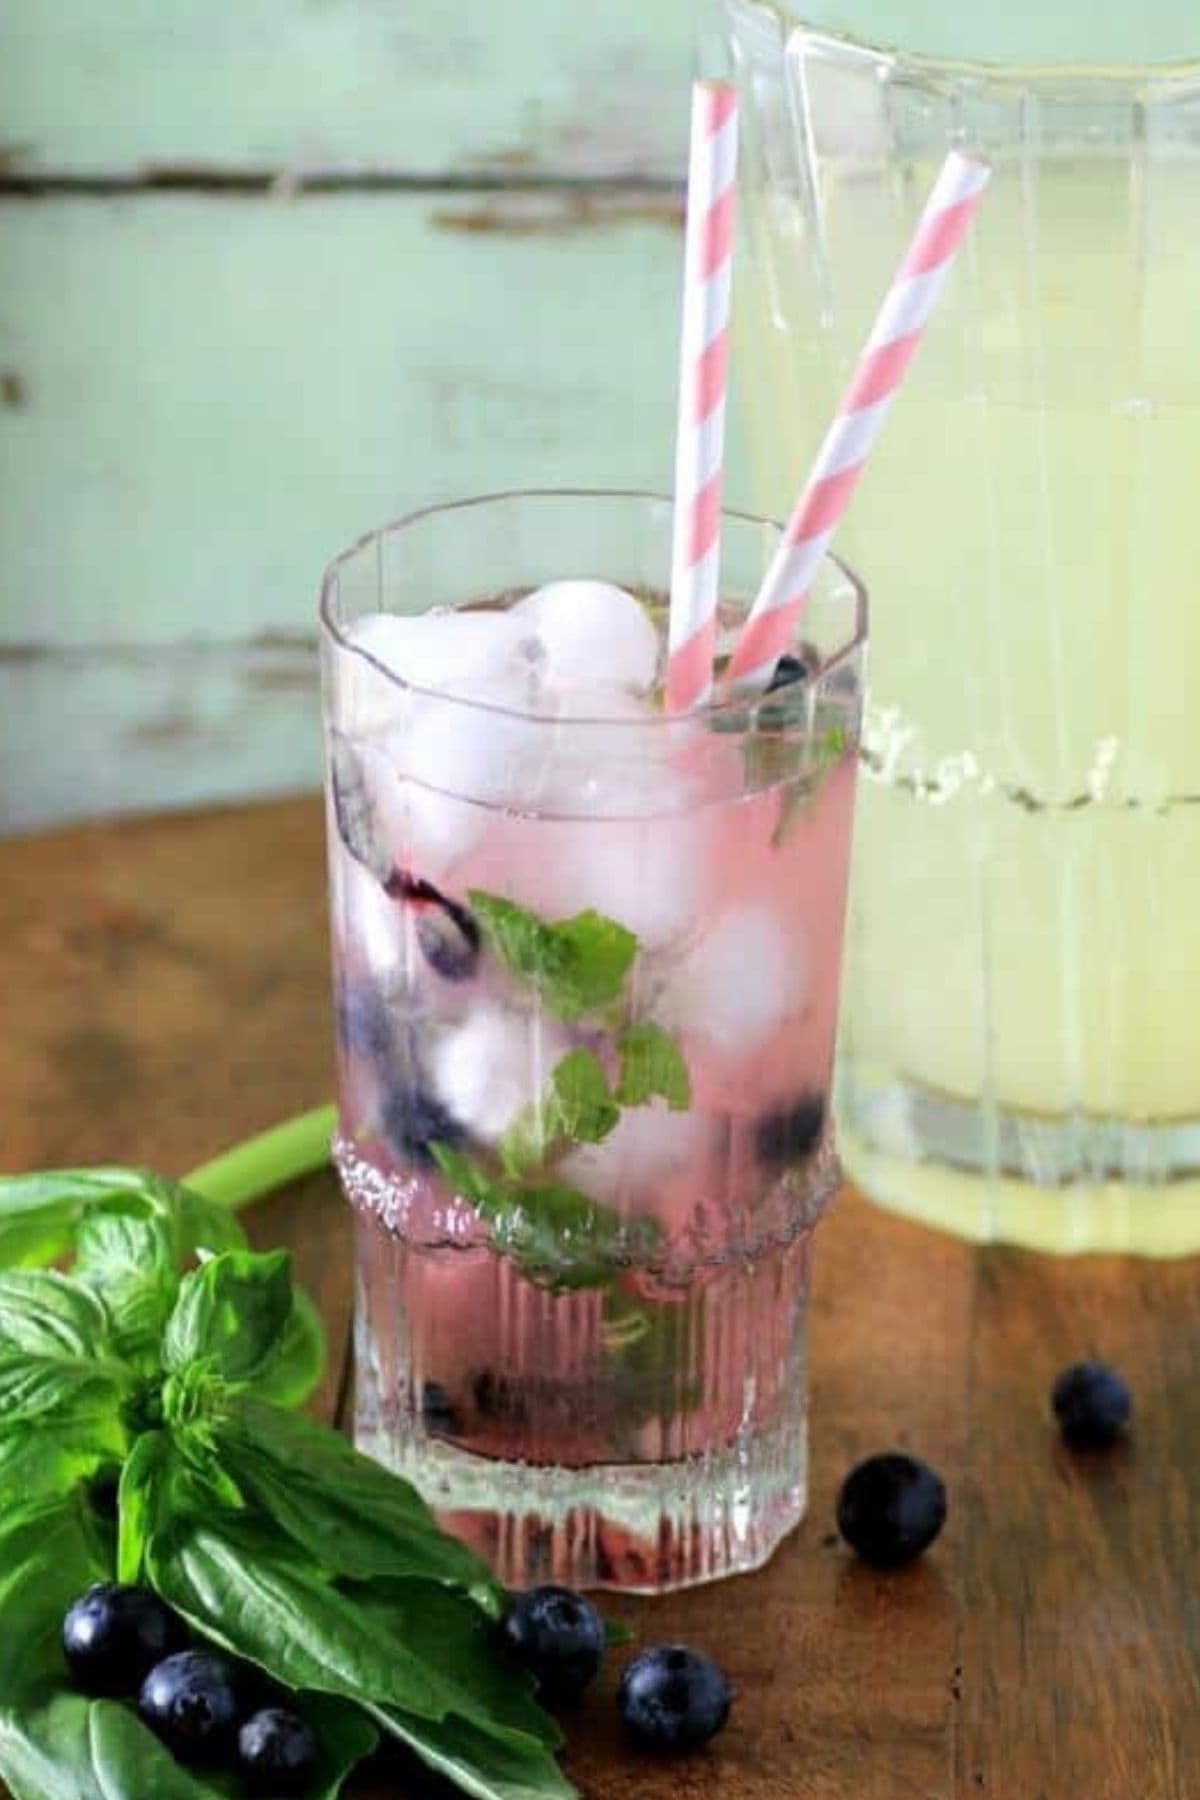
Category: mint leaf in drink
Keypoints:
(582, 1105)
(559, 1236)
(231, 1313)
(576, 1108)
(576, 965)
(652, 1067)
(487, 1193)
(563, 1239)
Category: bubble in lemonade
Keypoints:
(586, 975)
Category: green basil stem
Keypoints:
(271, 1160)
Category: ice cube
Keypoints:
(645, 873)
(492, 1064)
(647, 1144)
(444, 651)
(592, 631)
(369, 927)
(461, 760)
(737, 982)
(597, 752)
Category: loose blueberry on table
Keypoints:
(558, 1636)
(891, 1508)
(672, 1698)
(191, 1702)
(1092, 1405)
(113, 1636)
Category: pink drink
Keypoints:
(586, 970)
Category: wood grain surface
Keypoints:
(163, 993)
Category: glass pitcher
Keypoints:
(1021, 1047)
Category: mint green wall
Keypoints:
(204, 392)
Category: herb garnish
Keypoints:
(168, 1359)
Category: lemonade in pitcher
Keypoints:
(1021, 1048)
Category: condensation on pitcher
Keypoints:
(887, 760)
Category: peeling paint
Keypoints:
(560, 211)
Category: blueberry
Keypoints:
(791, 1135)
(891, 1507)
(498, 1397)
(364, 1023)
(672, 1698)
(789, 669)
(277, 1751)
(1092, 1405)
(354, 810)
(558, 1636)
(439, 1414)
(447, 931)
(113, 1636)
(191, 1702)
(413, 1119)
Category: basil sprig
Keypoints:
(165, 1365)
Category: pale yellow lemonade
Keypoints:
(1026, 918)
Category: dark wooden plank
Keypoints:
(1081, 1641)
(164, 994)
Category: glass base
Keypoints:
(1066, 1184)
(634, 1528)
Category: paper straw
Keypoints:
(703, 358)
(840, 461)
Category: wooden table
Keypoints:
(163, 993)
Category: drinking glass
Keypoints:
(586, 960)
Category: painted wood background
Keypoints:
(270, 272)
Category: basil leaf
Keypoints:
(576, 965)
(231, 1313)
(41, 1214)
(32, 1386)
(349, 1514)
(139, 1501)
(652, 1066)
(430, 1620)
(291, 1372)
(47, 1458)
(265, 1601)
(474, 1762)
(58, 1745)
(49, 1552)
(71, 1748)
(61, 1397)
(44, 1313)
(134, 1262)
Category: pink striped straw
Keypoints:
(703, 357)
(886, 355)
